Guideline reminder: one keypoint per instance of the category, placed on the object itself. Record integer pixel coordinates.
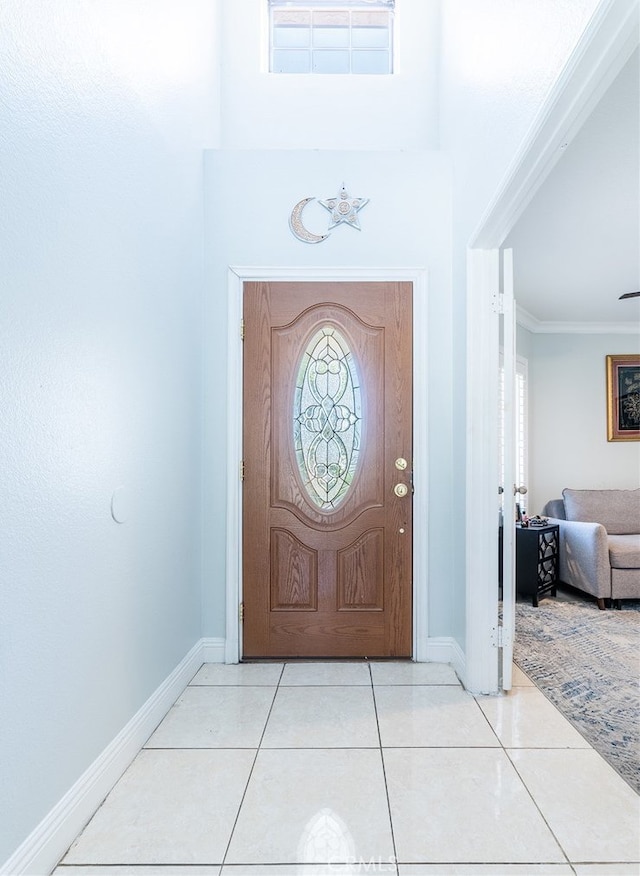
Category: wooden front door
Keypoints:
(327, 497)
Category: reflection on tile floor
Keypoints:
(333, 769)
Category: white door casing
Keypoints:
(481, 523)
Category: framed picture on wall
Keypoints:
(623, 398)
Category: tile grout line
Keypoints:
(276, 685)
(253, 765)
(588, 746)
(517, 772)
(506, 749)
(534, 801)
(384, 773)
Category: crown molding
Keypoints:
(554, 327)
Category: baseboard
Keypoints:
(445, 649)
(46, 844)
(44, 847)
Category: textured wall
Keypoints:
(102, 123)
(373, 133)
(406, 224)
(471, 77)
(265, 111)
(500, 59)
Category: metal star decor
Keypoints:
(344, 209)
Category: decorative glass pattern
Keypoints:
(327, 418)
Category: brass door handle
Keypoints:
(401, 490)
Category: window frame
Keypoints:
(313, 52)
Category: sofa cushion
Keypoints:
(554, 508)
(624, 551)
(617, 510)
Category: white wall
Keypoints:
(407, 223)
(266, 111)
(568, 417)
(104, 110)
(524, 342)
(500, 58)
(499, 62)
(475, 97)
(288, 137)
(576, 246)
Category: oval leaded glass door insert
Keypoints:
(327, 418)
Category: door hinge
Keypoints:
(497, 302)
(242, 329)
(501, 640)
(241, 612)
(242, 469)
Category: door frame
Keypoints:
(607, 43)
(236, 277)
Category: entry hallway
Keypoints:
(328, 769)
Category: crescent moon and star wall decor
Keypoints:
(342, 208)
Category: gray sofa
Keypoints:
(599, 542)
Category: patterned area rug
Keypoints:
(587, 662)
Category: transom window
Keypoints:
(343, 36)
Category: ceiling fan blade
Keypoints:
(629, 295)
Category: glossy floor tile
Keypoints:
(524, 718)
(464, 805)
(365, 868)
(326, 673)
(322, 717)
(617, 869)
(215, 717)
(239, 673)
(485, 870)
(421, 715)
(314, 806)
(592, 811)
(408, 672)
(348, 768)
(519, 679)
(137, 870)
(170, 807)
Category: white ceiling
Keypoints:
(577, 245)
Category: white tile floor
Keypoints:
(315, 769)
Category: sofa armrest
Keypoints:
(584, 557)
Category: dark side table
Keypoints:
(537, 561)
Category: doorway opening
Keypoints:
(603, 50)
